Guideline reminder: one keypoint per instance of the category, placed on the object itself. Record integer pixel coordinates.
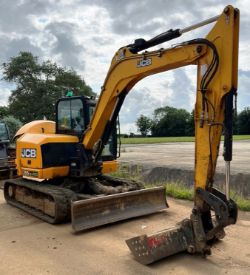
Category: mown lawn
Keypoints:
(180, 191)
(151, 140)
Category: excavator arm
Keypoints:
(216, 58)
(216, 88)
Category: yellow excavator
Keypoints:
(61, 163)
(60, 179)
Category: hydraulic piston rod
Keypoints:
(141, 44)
(200, 24)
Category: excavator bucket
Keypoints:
(194, 235)
(94, 212)
(149, 249)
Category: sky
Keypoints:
(85, 34)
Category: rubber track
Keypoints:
(61, 196)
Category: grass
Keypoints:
(180, 191)
(241, 137)
(151, 140)
(243, 204)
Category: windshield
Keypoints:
(3, 132)
(70, 115)
(107, 150)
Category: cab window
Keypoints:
(3, 132)
(108, 152)
(70, 115)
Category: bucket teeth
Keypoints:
(148, 249)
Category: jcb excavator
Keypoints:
(67, 159)
(62, 179)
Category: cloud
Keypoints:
(183, 90)
(5, 93)
(145, 16)
(65, 44)
(11, 47)
(138, 102)
(14, 16)
(86, 34)
(243, 89)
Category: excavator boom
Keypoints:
(216, 88)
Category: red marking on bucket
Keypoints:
(154, 241)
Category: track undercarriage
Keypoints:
(88, 202)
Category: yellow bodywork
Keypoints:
(32, 136)
(37, 127)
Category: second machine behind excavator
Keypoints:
(61, 164)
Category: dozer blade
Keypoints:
(90, 213)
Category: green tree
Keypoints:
(243, 122)
(190, 127)
(4, 111)
(39, 86)
(169, 121)
(13, 125)
(144, 124)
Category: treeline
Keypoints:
(38, 85)
(168, 121)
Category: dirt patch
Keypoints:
(34, 247)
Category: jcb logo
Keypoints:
(28, 153)
(144, 62)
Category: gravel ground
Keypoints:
(30, 246)
(181, 155)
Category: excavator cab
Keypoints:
(73, 115)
